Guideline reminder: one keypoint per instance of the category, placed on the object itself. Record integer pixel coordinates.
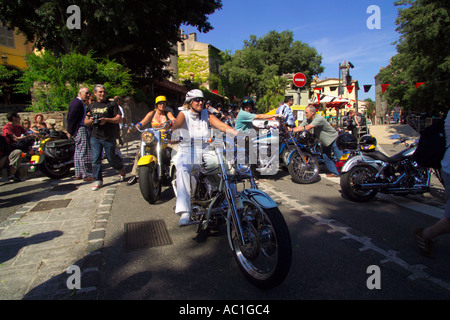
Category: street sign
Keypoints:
(299, 80)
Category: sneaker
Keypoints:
(132, 180)
(185, 219)
(122, 175)
(15, 178)
(425, 245)
(97, 185)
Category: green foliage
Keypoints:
(423, 56)
(139, 34)
(250, 70)
(6, 74)
(54, 81)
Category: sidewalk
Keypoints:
(65, 226)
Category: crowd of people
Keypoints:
(94, 123)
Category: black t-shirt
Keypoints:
(104, 110)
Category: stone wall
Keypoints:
(57, 118)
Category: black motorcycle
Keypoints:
(53, 153)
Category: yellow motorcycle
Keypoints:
(53, 154)
(154, 161)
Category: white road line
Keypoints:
(417, 271)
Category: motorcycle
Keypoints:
(52, 154)
(154, 162)
(257, 232)
(371, 171)
(301, 164)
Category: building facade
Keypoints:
(13, 48)
(198, 61)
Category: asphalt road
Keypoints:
(335, 243)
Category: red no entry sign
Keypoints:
(299, 80)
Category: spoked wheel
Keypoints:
(351, 181)
(303, 168)
(265, 259)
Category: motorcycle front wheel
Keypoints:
(149, 183)
(303, 168)
(265, 259)
(357, 176)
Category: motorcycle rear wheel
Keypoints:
(357, 175)
(149, 184)
(266, 259)
(301, 172)
(50, 171)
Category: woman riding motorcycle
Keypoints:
(193, 122)
(156, 117)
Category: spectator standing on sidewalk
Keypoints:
(81, 134)
(425, 236)
(286, 111)
(103, 118)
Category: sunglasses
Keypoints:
(198, 100)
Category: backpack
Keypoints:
(432, 146)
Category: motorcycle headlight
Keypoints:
(147, 137)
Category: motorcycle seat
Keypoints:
(377, 155)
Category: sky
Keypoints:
(337, 29)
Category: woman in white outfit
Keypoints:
(194, 122)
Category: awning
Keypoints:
(331, 101)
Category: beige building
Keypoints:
(330, 86)
(197, 61)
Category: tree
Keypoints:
(55, 81)
(423, 56)
(250, 70)
(139, 34)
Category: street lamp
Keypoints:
(343, 73)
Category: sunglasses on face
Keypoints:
(198, 100)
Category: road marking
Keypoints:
(417, 271)
(421, 207)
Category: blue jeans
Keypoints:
(446, 178)
(328, 158)
(97, 145)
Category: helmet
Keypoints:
(160, 99)
(247, 101)
(347, 141)
(196, 93)
(306, 138)
(367, 142)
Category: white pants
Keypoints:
(185, 166)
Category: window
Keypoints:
(6, 36)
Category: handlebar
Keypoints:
(162, 127)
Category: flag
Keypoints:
(418, 84)
(384, 87)
(367, 87)
(318, 97)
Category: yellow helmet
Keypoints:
(160, 99)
